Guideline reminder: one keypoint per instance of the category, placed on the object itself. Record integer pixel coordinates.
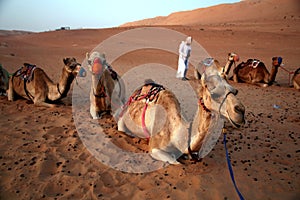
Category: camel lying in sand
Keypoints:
(255, 72)
(296, 79)
(154, 112)
(232, 59)
(224, 72)
(4, 77)
(105, 81)
(32, 83)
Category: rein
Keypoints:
(201, 103)
(230, 168)
(150, 96)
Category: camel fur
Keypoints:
(258, 74)
(296, 79)
(41, 89)
(170, 135)
(107, 88)
(223, 71)
(4, 77)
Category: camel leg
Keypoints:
(10, 91)
(40, 98)
(93, 112)
(235, 78)
(121, 125)
(164, 156)
(38, 101)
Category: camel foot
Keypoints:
(44, 104)
(164, 156)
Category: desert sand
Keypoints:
(43, 157)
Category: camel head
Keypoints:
(96, 63)
(233, 57)
(72, 66)
(276, 61)
(219, 96)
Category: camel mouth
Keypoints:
(235, 124)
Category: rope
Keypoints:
(146, 132)
(230, 169)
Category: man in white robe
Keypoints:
(183, 59)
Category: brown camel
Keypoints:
(223, 71)
(4, 77)
(154, 112)
(107, 88)
(232, 59)
(32, 83)
(255, 72)
(296, 79)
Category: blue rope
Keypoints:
(231, 171)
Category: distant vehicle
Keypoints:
(64, 28)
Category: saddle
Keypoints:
(26, 72)
(149, 92)
(252, 63)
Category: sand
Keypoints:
(42, 155)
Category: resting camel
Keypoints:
(255, 72)
(154, 112)
(224, 72)
(32, 83)
(105, 81)
(4, 77)
(296, 79)
(232, 59)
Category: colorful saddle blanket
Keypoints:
(26, 72)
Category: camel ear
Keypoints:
(65, 61)
(87, 55)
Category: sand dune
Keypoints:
(244, 11)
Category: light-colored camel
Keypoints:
(169, 134)
(255, 72)
(224, 71)
(40, 88)
(296, 79)
(107, 88)
(4, 77)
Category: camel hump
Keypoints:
(148, 91)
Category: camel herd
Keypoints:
(152, 111)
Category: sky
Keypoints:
(44, 15)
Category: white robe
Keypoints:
(183, 62)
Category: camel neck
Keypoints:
(200, 126)
(61, 89)
(228, 67)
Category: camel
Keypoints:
(105, 81)
(153, 112)
(4, 77)
(224, 72)
(296, 79)
(255, 72)
(32, 83)
(232, 59)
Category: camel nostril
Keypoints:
(239, 109)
